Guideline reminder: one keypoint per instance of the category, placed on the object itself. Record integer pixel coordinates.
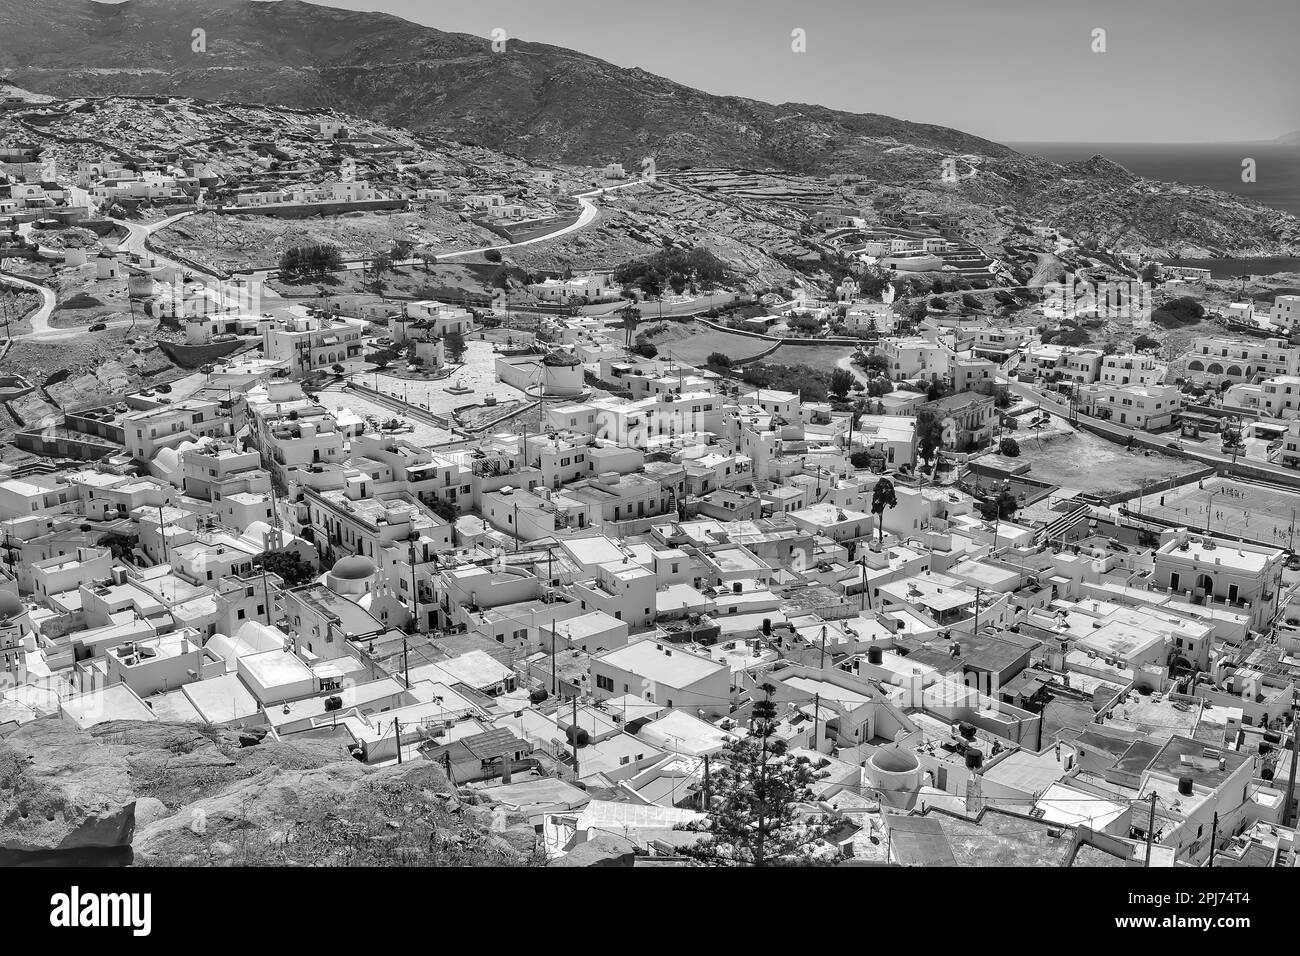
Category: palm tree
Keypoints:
(631, 316)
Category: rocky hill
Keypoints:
(534, 99)
(548, 103)
(185, 795)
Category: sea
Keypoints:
(1217, 165)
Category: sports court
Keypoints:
(1233, 507)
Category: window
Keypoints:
(605, 683)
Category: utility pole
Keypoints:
(415, 593)
(516, 528)
(1151, 828)
(1214, 837)
(822, 663)
(446, 762)
(162, 532)
(817, 709)
(397, 733)
(707, 798)
(1287, 815)
(552, 655)
(266, 595)
(862, 601)
(575, 737)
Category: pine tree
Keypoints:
(756, 792)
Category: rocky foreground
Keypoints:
(184, 795)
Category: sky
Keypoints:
(1008, 70)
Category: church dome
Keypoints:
(355, 567)
(10, 605)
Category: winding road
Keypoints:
(41, 331)
(137, 236)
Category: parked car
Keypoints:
(98, 327)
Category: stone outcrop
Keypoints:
(184, 794)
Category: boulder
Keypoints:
(64, 796)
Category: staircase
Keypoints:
(1066, 522)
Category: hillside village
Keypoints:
(570, 484)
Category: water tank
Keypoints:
(1185, 786)
(974, 758)
(875, 655)
(896, 773)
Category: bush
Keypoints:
(719, 359)
(302, 262)
(81, 300)
(841, 381)
(492, 255)
(1010, 448)
(1178, 312)
(860, 459)
(1144, 342)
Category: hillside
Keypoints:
(537, 100)
(186, 795)
(554, 105)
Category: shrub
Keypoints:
(719, 359)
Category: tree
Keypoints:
(291, 569)
(879, 386)
(877, 364)
(1003, 506)
(883, 497)
(1145, 342)
(454, 346)
(492, 255)
(337, 369)
(841, 381)
(929, 434)
(754, 820)
(720, 359)
(645, 349)
(1010, 447)
(934, 391)
(301, 262)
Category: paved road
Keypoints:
(588, 214)
(40, 319)
(134, 241)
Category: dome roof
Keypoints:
(355, 567)
(11, 605)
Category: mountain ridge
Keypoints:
(547, 104)
(432, 81)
